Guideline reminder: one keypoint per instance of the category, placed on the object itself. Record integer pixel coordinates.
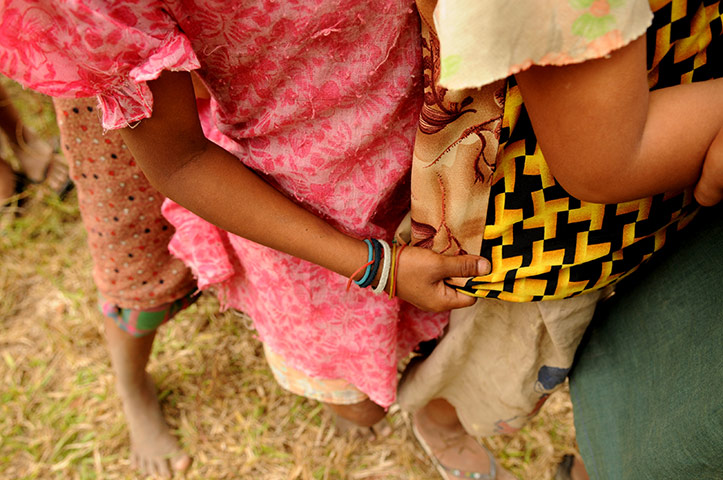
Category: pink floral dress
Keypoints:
(320, 97)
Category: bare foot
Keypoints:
(453, 448)
(39, 163)
(154, 450)
(365, 419)
(34, 155)
(57, 175)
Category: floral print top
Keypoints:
(320, 97)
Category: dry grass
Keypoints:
(61, 418)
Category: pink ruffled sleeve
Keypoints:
(106, 48)
(484, 41)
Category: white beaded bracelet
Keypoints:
(386, 266)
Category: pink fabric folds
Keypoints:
(81, 49)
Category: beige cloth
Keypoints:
(499, 361)
(484, 41)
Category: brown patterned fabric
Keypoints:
(454, 156)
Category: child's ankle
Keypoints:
(363, 414)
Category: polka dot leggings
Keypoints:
(127, 235)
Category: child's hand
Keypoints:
(421, 275)
(709, 189)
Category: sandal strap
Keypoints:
(475, 475)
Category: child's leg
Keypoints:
(153, 447)
(492, 371)
(363, 414)
(130, 335)
(141, 284)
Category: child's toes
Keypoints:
(161, 468)
(382, 429)
(181, 462)
(135, 461)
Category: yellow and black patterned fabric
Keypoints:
(544, 243)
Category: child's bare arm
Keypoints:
(183, 165)
(607, 139)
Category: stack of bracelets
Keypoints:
(380, 254)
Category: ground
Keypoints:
(60, 416)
